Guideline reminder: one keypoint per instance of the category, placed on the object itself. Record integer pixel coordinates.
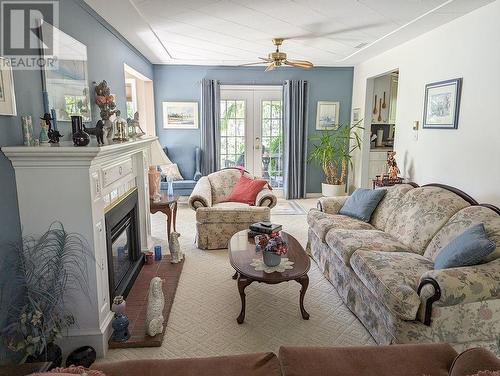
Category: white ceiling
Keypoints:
(232, 32)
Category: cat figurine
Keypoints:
(174, 247)
(156, 302)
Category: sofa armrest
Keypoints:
(201, 195)
(266, 197)
(331, 205)
(474, 360)
(449, 287)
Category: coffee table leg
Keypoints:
(235, 276)
(304, 282)
(242, 284)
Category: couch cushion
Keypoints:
(185, 157)
(264, 364)
(421, 214)
(409, 360)
(223, 181)
(362, 203)
(393, 277)
(462, 220)
(469, 248)
(390, 201)
(321, 223)
(345, 242)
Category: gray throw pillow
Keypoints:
(469, 248)
(362, 203)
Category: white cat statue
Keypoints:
(154, 313)
(175, 249)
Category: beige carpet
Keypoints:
(203, 318)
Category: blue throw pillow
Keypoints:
(362, 203)
(469, 248)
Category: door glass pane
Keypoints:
(272, 143)
(232, 130)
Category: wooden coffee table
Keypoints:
(242, 252)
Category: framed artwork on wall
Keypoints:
(7, 94)
(327, 115)
(442, 104)
(180, 115)
(356, 115)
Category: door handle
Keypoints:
(257, 143)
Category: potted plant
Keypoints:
(332, 151)
(46, 271)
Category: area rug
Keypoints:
(203, 323)
(288, 207)
(137, 301)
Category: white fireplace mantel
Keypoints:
(75, 185)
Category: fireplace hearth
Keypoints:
(125, 258)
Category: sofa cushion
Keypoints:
(462, 220)
(393, 278)
(321, 223)
(264, 364)
(409, 360)
(362, 203)
(421, 214)
(345, 242)
(467, 249)
(390, 201)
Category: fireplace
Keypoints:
(125, 258)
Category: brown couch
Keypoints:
(407, 360)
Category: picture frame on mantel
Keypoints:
(442, 104)
(180, 115)
(7, 93)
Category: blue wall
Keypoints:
(106, 52)
(182, 83)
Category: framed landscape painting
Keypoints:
(327, 115)
(442, 104)
(180, 115)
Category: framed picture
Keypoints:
(442, 104)
(356, 115)
(180, 115)
(7, 94)
(327, 115)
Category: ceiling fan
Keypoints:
(277, 59)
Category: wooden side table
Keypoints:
(168, 206)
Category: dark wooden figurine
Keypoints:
(97, 131)
(52, 134)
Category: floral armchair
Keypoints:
(216, 218)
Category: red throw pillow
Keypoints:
(246, 190)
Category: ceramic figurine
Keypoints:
(52, 133)
(97, 131)
(107, 105)
(154, 312)
(120, 328)
(393, 169)
(138, 130)
(174, 247)
(43, 137)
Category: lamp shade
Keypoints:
(158, 156)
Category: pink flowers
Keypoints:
(272, 243)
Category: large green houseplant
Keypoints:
(332, 151)
(46, 271)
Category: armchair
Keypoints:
(216, 219)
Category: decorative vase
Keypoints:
(271, 258)
(170, 186)
(154, 177)
(120, 328)
(27, 124)
(52, 353)
(119, 305)
(80, 137)
(83, 356)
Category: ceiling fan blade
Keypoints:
(270, 67)
(257, 63)
(299, 64)
(266, 59)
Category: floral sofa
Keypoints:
(216, 219)
(384, 270)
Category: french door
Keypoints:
(251, 131)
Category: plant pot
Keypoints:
(52, 353)
(271, 258)
(333, 190)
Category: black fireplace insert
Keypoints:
(125, 258)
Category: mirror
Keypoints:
(66, 85)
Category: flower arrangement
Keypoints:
(272, 243)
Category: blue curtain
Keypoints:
(295, 104)
(210, 131)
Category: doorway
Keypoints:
(251, 131)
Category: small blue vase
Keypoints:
(170, 187)
(120, 328)
(271, 258)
